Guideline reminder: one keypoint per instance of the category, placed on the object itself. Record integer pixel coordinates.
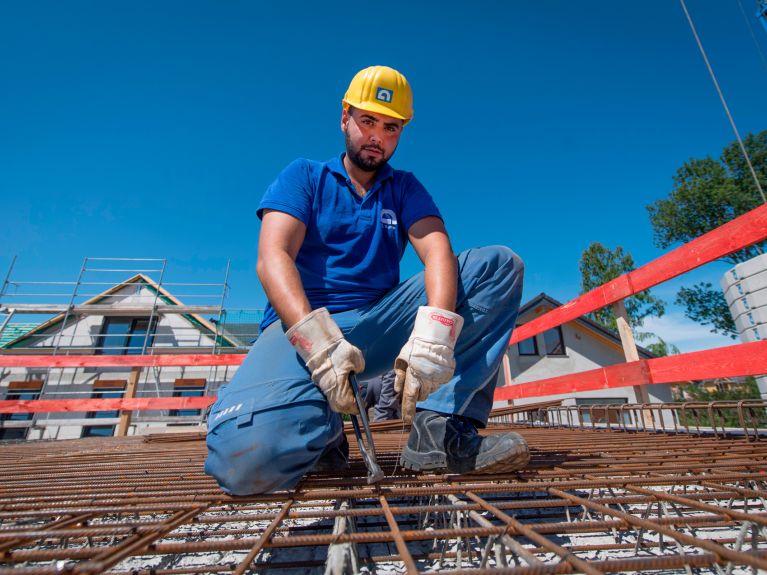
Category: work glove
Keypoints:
(426, 361)
(330, 358)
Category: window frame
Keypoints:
(15, 392)
(558, 329)
(22, 431)
(107, 390)
(588, 402)
(536, 351)
(104, 346)
(188, 388)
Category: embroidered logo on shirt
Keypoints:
(388, 219)
(227, 411)
(384, 95)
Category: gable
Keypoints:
(137, 291)
(542, 304)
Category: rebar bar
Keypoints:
(590, 501)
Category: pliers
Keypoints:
(375, 473)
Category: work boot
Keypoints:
(335, 457)
(451, 442)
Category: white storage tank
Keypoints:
(745, 289)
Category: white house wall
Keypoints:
(584, 352)
(79, 332)
(173, 330)
(78, 383)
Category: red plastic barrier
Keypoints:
(741, 359)
(741, 232)
(127, 361)
(125, 404)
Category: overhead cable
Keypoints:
(724, 102)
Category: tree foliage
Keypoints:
(706, 305)
(748, 391)
(708, 193)
(661, 348)
(598, 266)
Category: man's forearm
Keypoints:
(431, 243)
(282, 284)
(441, 278)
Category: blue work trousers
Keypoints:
(271, 423)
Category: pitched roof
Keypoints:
(13, 331)
(146, 281)
(543, 298)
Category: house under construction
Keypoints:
(106, 314)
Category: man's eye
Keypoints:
(391, 129)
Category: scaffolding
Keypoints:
(126, 288)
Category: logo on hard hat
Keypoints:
(384, 95)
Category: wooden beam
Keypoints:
(130, 393)
(631, 353)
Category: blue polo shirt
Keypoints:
(353, 245)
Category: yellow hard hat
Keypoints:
(382, 90)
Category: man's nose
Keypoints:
(376, 134)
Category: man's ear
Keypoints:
(345, 117)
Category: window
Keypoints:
(188, 388)
(125, 335)
(528, 346)
(103, 390)
(602, 415)
(21, 390)
(553, 342)
(13, 433)
(98, 431)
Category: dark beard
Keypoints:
(364, 164)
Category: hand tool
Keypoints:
(375, 473)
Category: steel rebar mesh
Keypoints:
(591, 501)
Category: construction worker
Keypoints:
(331, 239)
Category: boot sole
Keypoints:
(505, 463)
(437, 461)
(417, 461)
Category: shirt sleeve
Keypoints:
(417, 202)
(291, 192)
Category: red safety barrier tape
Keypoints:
(127, 361)
(741, 232)
(734, 360)
(741, 359)
(81, 405)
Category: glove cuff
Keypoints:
(437, 325)
(315, 332)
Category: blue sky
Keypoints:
(151, 129)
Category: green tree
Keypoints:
(708, 193)
(600, 265)
(660, 348)
(728, 417)
(707, 306)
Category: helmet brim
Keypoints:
(376, 108)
